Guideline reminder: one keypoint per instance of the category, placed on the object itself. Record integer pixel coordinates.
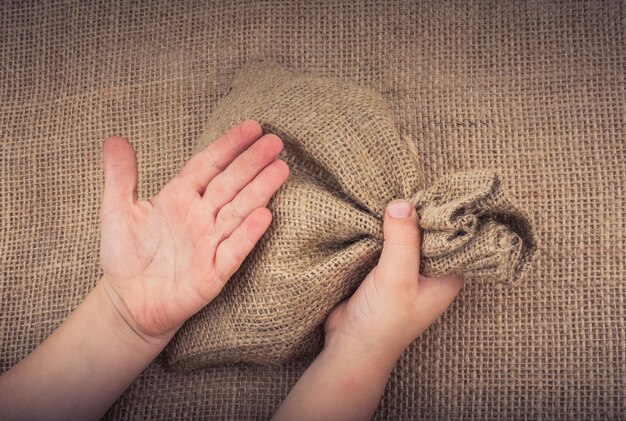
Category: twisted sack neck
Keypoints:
(471, 227)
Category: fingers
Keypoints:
(255, 195)
(225, 186)
(120, 172)
(232, 251)
(212, 160)
(400, 258)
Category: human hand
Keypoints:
(394, 304)
(166, 258)
(367, 333)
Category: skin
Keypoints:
(164, 259)
(366, 334)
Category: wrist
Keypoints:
(120, 323)
(377, 355)
(346, 381)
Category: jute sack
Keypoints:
(347, 162)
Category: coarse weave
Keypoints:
(533, 89)
(347, 161)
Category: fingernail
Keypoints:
(399, 209)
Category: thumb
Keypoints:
(120, 172)
(400, 258)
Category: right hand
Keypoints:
(394, 304)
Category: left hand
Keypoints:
(166, 258)
(395, 303)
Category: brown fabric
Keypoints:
(347, 161)
(533, 89)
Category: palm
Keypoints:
(394, 303)
(168, 257)
(159, 259)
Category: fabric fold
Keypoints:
(471, 227)
(347, 162)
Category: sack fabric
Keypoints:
(532, 90)
(347, 161)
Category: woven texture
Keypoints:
(534, 90)
(347, 161)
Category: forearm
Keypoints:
(81, 369)
(341, 384)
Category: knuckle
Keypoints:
(254, 196)
(223, 187)
(208, 153)
(208, 159)
(402, 243)
(230, 212)
(235, 254)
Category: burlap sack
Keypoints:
(347, 162)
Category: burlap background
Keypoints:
(534, 89)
